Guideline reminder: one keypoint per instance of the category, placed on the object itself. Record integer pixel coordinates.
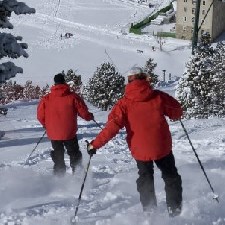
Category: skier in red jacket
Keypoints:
(142, 112)
(57, 112)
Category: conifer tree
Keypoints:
(149, 70)
(11, 46)
(73, 80)
(218, 93)
(201, 89)
(13, 91)
(105, 88)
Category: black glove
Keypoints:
(91, 150)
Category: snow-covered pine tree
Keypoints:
(13, 91)
(201, 89)
(218, 93)
(105, 88)
(73, 80)
(33, 92)
(149, 69)
(10, 46)
(220, 48)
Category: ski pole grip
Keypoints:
(87, 148)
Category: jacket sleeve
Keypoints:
(41, 112)
(171, 106)
(115, 122)
(82, 109)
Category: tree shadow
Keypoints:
(21, 142)
(92, 125)
(28, 129)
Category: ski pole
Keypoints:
(185, 131)
(97, 124)
(26, 162)
(73, 219)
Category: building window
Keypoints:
(203, 12)
(185, 0)
(193, 10)
(193, 19)
(185, 19)
(185, 9)
(203, 3)
(193, 1)
(184, 28)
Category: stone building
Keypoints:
(214, 22)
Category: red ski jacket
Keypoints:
(58, 111)
(142, 112)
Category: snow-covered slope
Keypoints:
(100, 33)
(32, 195)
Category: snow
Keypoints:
(30, 194)
(97, 31)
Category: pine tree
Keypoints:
(105, 88)
(13, 91)
(149, 70)
(219, 80)
(10, 45)
(33, 92)
(73, 80)
(201, 89)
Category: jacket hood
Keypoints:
(138, 90)
(60, 90)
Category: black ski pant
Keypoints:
(73, 151)
(172, 180)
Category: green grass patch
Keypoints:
(166, 34)
(135, 31)
(136, 28)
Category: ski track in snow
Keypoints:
(101, 174)
(106, 199)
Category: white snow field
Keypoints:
(30, 194)
(98, 29)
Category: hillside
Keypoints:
(98, 36)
